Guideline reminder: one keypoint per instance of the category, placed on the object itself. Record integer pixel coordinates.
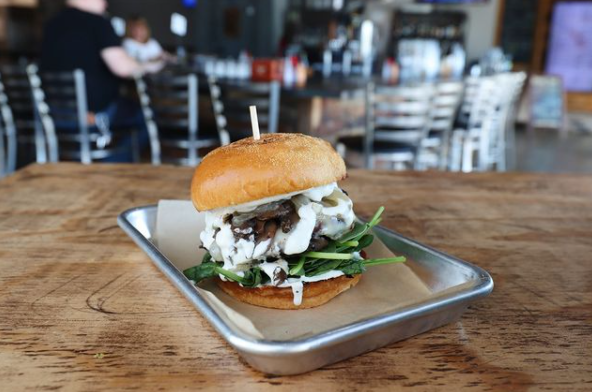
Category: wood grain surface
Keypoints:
(83, 309)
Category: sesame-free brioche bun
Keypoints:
(314, 294)
(249, 169)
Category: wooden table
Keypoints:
(82, 308)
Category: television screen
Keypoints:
(569, 53)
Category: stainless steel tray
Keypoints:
(441, 272)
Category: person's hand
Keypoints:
(153, 67)
(169, 58)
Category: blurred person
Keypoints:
(80, 37)
(138, 42)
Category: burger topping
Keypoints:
(264, 221)
(275, 227)
(343, 255)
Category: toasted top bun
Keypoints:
(314, 294)
(276, 164)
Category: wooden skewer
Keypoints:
(254, 122)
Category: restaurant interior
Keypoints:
(451, 85)
(310, 195)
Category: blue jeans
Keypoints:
(123, 115)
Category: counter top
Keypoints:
(83, 308)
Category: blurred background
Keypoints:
(455, 85)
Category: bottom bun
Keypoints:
(314, 294)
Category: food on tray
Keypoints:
(280, 232)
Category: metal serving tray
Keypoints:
(441, 272)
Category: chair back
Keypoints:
(487, 107)
(444, 110)
(72, 131)
(231, 101)
(61, 103)
(398, 114)
(8, 142)
(170, 103)
(445, 105)
(502, 141)
(27, 124)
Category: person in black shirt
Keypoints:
(79, 37)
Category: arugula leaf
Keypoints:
(209, 269)
(354, 268)
(358, 230)
(201, 272)
(329, 256)
(207, 258)
(365, 242)
(361, 229)
(298, 269)
(390, 260)
(324, 266)
(252, 277)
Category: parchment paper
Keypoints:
(382, 289)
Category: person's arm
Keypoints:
(123, 65)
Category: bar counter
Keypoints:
(83, 308)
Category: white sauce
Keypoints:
(297, 289)
(296, 284)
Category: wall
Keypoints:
(261, 30)
(260, 23)
(482, 26)
(158, 13)
(481, 20)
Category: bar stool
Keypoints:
(231, 101)
(71, 130)
(482, 144)
(397, 122)
(444, 107)
(28, 128)
(170, 104)
(8, 138)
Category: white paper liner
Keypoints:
(381, 290)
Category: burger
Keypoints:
(279, 231)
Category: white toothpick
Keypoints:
(254, 122)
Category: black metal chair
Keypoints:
(8, 141)
(170, 103)
(71, 130)
(231, 101)
(397, 122)
(19, 100)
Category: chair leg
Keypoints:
(455, 159)
(3, 169)
(12, 152)
(467, 154)
(444, 150)
(135, 146)
(501, 155)
(40, 146)
(155, 151)
(484, 152)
